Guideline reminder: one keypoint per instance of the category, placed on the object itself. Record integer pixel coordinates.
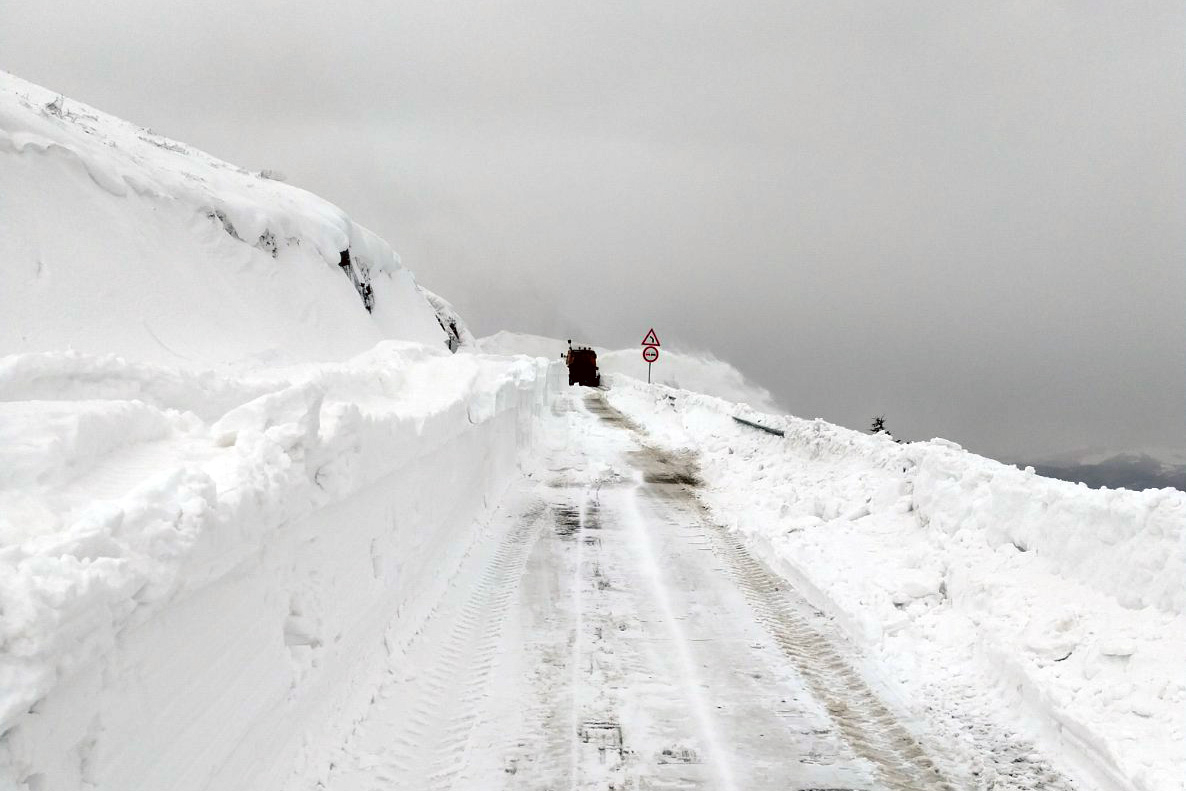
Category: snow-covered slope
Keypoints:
(986, 586)
(118, 240)
(237, 459)
(702, 373)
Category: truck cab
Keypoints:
(582, 366)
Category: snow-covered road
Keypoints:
(261, 529)
(604, 634)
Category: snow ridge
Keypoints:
(130, 526)
(118, 240)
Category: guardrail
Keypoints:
(775, 431)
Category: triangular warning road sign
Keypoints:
(651, 339)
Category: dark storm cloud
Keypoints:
(966, 216)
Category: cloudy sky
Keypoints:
(970, 217)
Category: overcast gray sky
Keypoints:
(968, 216)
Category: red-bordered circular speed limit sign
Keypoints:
(650, 354)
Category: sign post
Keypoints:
(650, 350)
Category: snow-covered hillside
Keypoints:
(117, 240)
(237, 458)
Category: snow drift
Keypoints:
(979, 581)
(117, 240)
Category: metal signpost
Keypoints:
(650, 350)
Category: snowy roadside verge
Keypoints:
(193, 568)
(983, 587)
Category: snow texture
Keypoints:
(966, 574)
(236, 458)
(189, 592)
(119, 241)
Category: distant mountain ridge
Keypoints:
(1136, 470)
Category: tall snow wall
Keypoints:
(211, 626)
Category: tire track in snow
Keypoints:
(868, 726)
(578, 610)
(987, 754)
(421, 739)
(460, 679)
(690, 681)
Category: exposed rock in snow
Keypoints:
(456, 331)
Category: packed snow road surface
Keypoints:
(603, 634)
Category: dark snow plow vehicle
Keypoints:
(582, 366)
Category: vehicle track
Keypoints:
(614, 638)
(868, 726)
(418, 732)
(865, 722)
(458, 680)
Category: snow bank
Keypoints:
(117, 240)
(700, 372)
(237, 459)
(966, 574)
(185, 598)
